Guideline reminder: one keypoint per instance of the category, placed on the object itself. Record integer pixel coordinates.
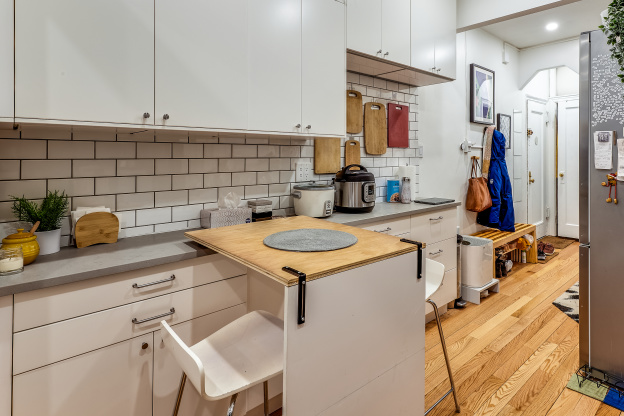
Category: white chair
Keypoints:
(242, 354)
(434, 275)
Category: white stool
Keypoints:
(242, 354)
(433, 280)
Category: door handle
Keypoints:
(531, 180)
(561, 175)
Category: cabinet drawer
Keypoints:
(434, 226)
(47, 344)
(391, 227)
(444, 252)
(45, 306)
(447, 292)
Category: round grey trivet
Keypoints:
(310, 239)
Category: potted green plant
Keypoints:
(613, 26)
(50, 213)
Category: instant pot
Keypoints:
(355, 190)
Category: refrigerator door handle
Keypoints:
(585, 245)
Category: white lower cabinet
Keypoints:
(6, 352)
(115, 380)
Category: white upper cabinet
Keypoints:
(364, 26)
(433, 36)
(323, 67)
(274, 68)
(6, 60)
(201, 63)
(83, 60)
(395, 30)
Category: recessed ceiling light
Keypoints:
(552, 26)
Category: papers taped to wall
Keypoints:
(603, 149)
(620, 165)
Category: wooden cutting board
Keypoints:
(398, 125)
(96, 228)
(352, 153)
(354, 111)
(375, 130)
(326, 155)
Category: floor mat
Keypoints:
(600, 393)
(568, 302)
(557, 242)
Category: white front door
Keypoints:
(536, 124)
(568, 169)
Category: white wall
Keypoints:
(476, 13)
(539, 86)
(567, 82)
(553, 55)
(444, 119)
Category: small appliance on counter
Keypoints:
(355, 190)
(313, 199)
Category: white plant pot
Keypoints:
(49, 241)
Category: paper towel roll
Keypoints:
(409, 172)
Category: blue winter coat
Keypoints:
(501, 214)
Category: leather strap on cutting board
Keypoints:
(398, 125)
(326, 155)
(375, 130)
(354, 112)
(352, 153)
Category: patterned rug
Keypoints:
(568, 302)
(601, 393)
(558, 242)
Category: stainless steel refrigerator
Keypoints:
(601, 274)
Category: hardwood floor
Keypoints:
(514, 353)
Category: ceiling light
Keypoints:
(552, 26)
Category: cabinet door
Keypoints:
(445, 39)
(201, 63)
(364, 26)
(395, 30)
(84, 60)
(115, 380)
(323, 67)
(423, 24)
(6, 352)
(167, 372)
(274, 70)
(6, 63)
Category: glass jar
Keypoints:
(406, 191)
(11, 261)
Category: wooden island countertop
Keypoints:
(244, 244)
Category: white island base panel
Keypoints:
(361, 350)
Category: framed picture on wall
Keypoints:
(481, 95)
(503, 124)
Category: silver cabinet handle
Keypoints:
(166, 117)
(162, 315)
(387, 53)
(433, 69)
(309, 126)
(298, 126)
(379, 51)
(169, 279)
(436, 219)
(435, 253)
(146, 115)
(438, 70)
(383, 231)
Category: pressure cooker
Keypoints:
(355, 190)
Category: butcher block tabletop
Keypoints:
(244, 244)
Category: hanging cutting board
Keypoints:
(96, 228)
(375, 130)
(327, 155)
(352, 153)
(354, 111)
(398, 125)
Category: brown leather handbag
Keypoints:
(478, 197)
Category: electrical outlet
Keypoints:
(419, 151)
(303, 172)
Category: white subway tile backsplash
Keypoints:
(153, 216)
(231, 165)
(107, 201)
(187, 181)
(136, 231)
(127, 219)
(46, 169)
(217, 151)
(62, 149)
(257, 165)
(238, 190)
(136, 136)
(135, 201)
(202, 196)
(217, 180)
(279, 189)
(187, 212)
(46, 132)
(188, 150)
(287, 176)
(171, 166)
(171, 226)
(280, 164)
(135, 167)
(9, 169)
(93, 168)
(153, 183)
(94, 134)
(115, 185)
(268, 151)
(23, 149)
(203, 165)
(171, 198)
(73, 187)
(268, 177)
(153, 150)
(172, 136)
(232, 140)
(244, 150)
(243, 178)
(115, 150)
(27, 189)
(290, 151)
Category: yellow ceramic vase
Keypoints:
(26, 241)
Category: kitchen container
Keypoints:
(406, 191)
(355, 190)
(11, 261)
(476, 261)
(393, 191)
(313, 199)
(25, 241)
(261, 209)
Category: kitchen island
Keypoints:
(354, 327)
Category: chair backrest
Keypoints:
(190, 363)
(434, 274)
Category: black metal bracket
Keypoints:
(420, 254)
(593, 375)
(301, 294)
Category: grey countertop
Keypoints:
(72, 264)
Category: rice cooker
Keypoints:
(355, 190)
(313, 199)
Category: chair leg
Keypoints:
(232, 403)
(266, 398)
(446, 358)
(176, 409)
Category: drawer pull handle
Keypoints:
(435, 253)
(169, 279)
(436, 219)
(162, 315)
(144, 346)
(383, 231)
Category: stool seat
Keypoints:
(433, 277)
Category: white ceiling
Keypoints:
(573, 19)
